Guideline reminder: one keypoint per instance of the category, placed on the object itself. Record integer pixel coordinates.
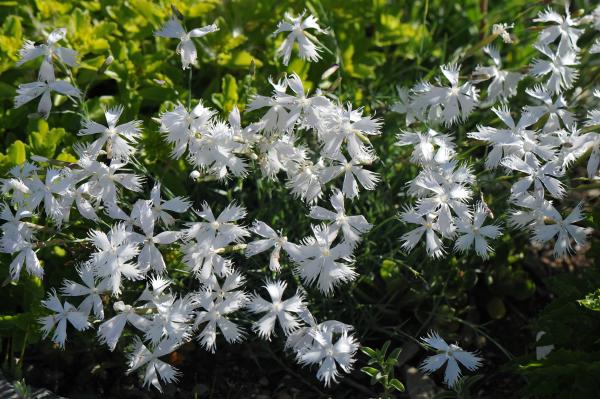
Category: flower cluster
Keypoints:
(318, 147)
(538, 144)
(443, 190)
(311, 139)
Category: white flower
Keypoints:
(214, 315)
(504, 83)
(443, 198)
(277, 118)
(302, 339)
(339, 125)
(297, 26)
(160, 206)
(14, 221)
(103, 180)
(216, 151)
(29, 91)
(113, 255)
(301, 107)
(560, 67)
(155, 367)
(149, 256)
(515, 140)
(85, 203)
(425, 144)
(91, 290)
(556, 110)
(593, 116)
(501, 30)
(30, 51)
(114, 212)
(110, 331)
(562, 229)
(534, 214)
(404, 105)
(13, 242)
(541, 176)
(428, 226)
(564, 28)
(452, 354)
(62, 314)
(451, 104)
(472, 231)
(223, 226)
(156, 295)
(172, 319)
(329, 355)
(271, 240)
(203, 257)
(179, 126)
(352, 226)
(56, 184)
(186, 47)
(15, 185)
(276, 310)
(585, 143)
(317, 261)
(119, 139)
(353, 171)
(228, 290)
(304, 178)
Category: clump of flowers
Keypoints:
(320, 149)
(127, 240)
(537, 145)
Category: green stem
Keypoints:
(190, 89)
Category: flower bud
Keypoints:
(195, 175)
(109, 60)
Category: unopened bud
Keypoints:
(330, 71)
(109, 60)
(195, 175)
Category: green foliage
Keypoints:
(383, 372)
(463, 388)
(591, 300)
(378, 45)
(572, 368)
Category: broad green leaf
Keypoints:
(396, 384)
(16, 153)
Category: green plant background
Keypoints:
(379, 44)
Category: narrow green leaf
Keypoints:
(395, 353)
(368, 351)
(371, 371)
